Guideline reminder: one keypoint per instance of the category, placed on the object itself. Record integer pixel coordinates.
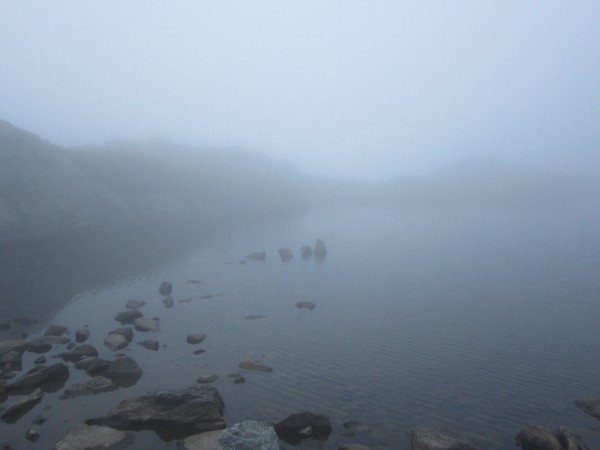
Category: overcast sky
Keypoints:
(368, 89)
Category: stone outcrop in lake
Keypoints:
(171, 414)
(425, 439)
(249, 435)
(303, 425)
(542, 438)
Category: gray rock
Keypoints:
(124, 371)
(542, 438)
(208, 440)
(291, 428)
(115, 342)
(171, 414)
(168, 301)
(55, 330)
(238, 379)
(305, 305)
(320, 249)
(18, 409)
(79, 352)
(249, 435)
(39, 376)
(126, 332)
(589, 406)
(150, 344)
(134, 304)
(88, 437)
(146, 324)
(205, 379)
(128, 317)
(165, 288)
(31, 435)
(40, 360)
(285, 254)
(82, 335)
(195, 338)
(254, 366)
(425, 439)
(15, 359)
(94, 386)
(306, 251)
(257, 256)
(12, 346)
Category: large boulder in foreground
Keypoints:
(424, 439)
(542, 438)
(90, 437)
(249, 435)
(303, 425)
(170, 414)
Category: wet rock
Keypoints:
(80, 437)
(55, 340)
(145, 324)
(40, 360)
(134, 304)
(305, 305)
(126, 332)
(31, 435)
(79, 352)
(425, 439)
(165, 288)
(171, 414)
(82, 335)
(205, 379)
(150, 344)
(71, 346)
(55, 330)
(306, 251)
(255, 317)
(128, 317)
(94, 386)
(249, 435)
(589, 406)
(320, 249)
(97, 366)
(254, 366)
(168, 301)
(289, 429)
(124, 371)
(203, 441)
(118, 338)
(39, 376)
(25, 321)
(12, 346)
(38, 346)
(353, 447)
(542, 438)
(195, 338)
(13, 358)
(199, 351)
(285, 254)
(18, 409)
(238, 379)
(257, 256)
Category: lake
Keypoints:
(472, 322)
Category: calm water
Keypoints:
(474, 323)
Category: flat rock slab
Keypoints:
(145, 324)
(96, 385)
(171, 414)
(202, 441)
(305, 305)
(249, 435)
(195, 338)
(254, 366)
(83, 437)
(18, 409)
(292, 428)
(425, 439)
(39, 376)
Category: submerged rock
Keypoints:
(12, 346)
(82, 335)
(94, 386)
(13, 358)
(257, 256)
(205, 379)
(165, 288)
(542, 438)
(39, 376)
(127, 317)
(134, 304)
(55, 330)
(171, 414)
(124, 371)
(79, 352)
(285, 254)
(116, 342)
(305, 305)
(195, 338)
(292, 429)
(80, 437)
(18, 409)
(306, 251)
(249, 435)
(144, 324)
(150, 344)
(168, 301)
(425, 439)
(320, 249)
(253, 365)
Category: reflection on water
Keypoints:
(472, 323)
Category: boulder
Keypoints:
(128, 317)
(203, 441)
(254, 366)
(18, 409)
(285, 254)
(39, 376)
(150, 344)
(12, 346)
(424, 439)
(305, 305)
(541, 438)
(146, 324)
(134, 304)
(257, 256)
(249, 435)
(115, 342)
(82, 335)
(205, 379)
(86, 437)
(293, 428)
(38, 346)
(126, 332)
(320, 249)
(168, 301)
(165, 288)
(124, 371)
(171, 414)
(94, 386)
(79, 352)
(306, 251)
(195, 338)
(55, 330)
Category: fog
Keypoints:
(370, 91)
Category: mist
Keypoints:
(341, 89)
